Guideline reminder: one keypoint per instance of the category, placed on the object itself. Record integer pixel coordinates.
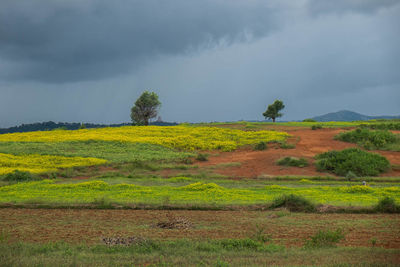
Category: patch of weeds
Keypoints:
(103, 203)
(293, 162)
(202, 157)
(316, 127)
(68, 173)
(179, 179)
(293, 203)
(285, 145)
(387, 205)
(20, 176)
(325, 239)
(226, 165)
(4, 236)
(187, 161)
(260, 235)
(373, 241)
(260, 146)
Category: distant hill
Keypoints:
(50, 125)
(346, 115)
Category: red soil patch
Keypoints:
(291, 229)
(311, 142)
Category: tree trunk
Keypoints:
(146, 122)
(273, 119)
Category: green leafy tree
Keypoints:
(145, 108)
(272, 111)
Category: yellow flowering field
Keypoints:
(42, 163)
(180, 137)
(49, 191)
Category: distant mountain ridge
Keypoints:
(347, 115)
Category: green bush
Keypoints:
(316, 127)
(368, 139)
(19, 176)
(293, 162)
(293, 203)
(260, 146)
(359, 162)
(202, 157)
(387, 205)
(325, 239)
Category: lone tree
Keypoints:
(272, 111)
(145, 108)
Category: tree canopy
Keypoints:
(272, 111)
(145, 108)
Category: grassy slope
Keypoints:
(112, 151)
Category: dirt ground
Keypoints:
(290, 229)
(308, 142)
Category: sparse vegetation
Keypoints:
(260, 146)
(395, 125)
(325, 239)
(316, 127)
(293, 162)
(371, 139)
(359, 162)
(202, 157)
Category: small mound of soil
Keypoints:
(173, 222)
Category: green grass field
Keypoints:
(192, 194)
(229, 252)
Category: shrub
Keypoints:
(387, 205)
(325, 239)
(309, 120)
(316, 127)
(202, 157)
(261, 146)
(19, 176)
(292, 161)
(368, 139)
(285, 145)
(293, 203)
(361, 163)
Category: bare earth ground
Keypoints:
(310, 143)
(289, 229)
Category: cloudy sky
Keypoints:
(208, 60)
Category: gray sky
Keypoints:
(209, 60)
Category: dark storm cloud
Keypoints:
(208, 60)
(318, 7)
(64, 41)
